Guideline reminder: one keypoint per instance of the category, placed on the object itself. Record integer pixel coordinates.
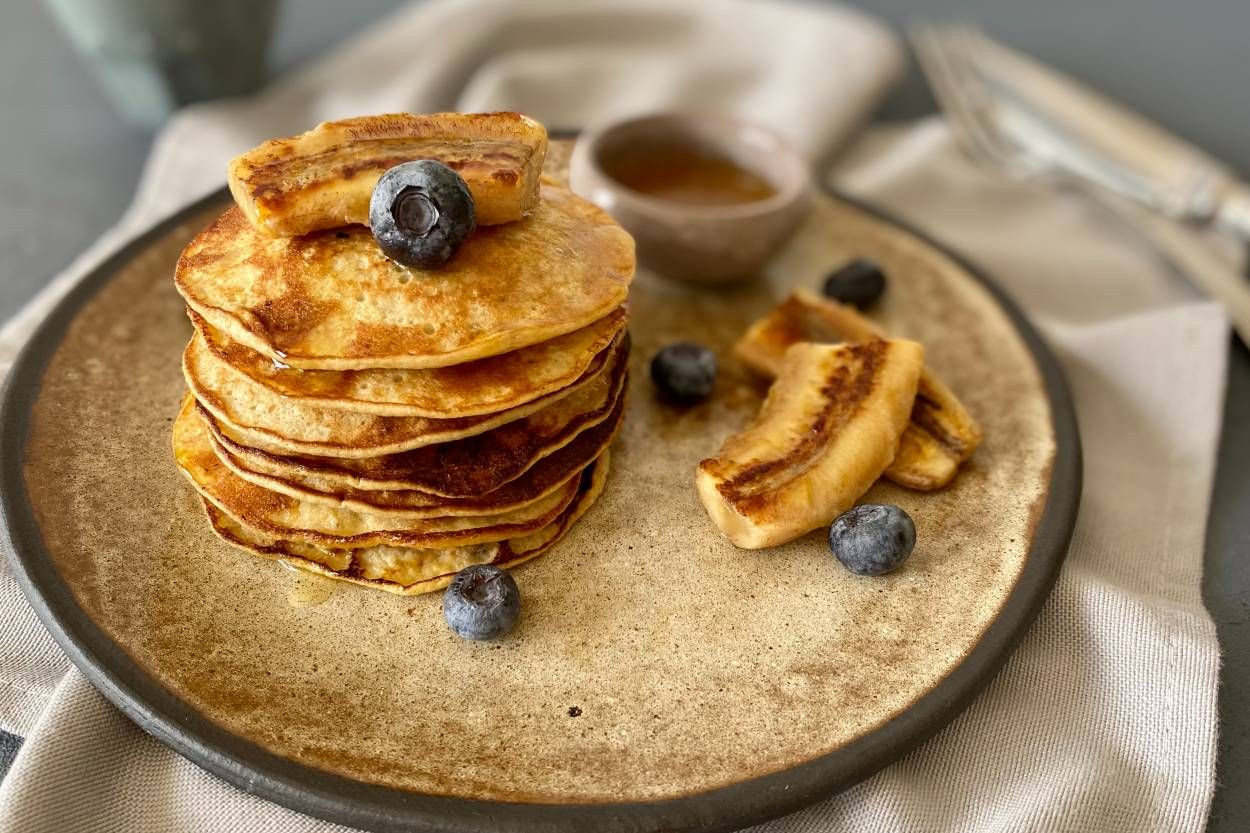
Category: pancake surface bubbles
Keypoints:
(332, 300)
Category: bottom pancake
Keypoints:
(410, 572)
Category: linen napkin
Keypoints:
(1108, 707)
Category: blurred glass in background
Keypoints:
(153, 56)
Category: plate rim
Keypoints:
(248, 766)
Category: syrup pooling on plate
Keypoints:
(307, 589)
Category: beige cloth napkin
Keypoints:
(1104, 719)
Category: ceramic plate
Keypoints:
(659, 680)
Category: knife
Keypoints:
(1091, 137)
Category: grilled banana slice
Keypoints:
(828, 429)
(941, 434)
(324, 178)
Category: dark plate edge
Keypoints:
(251, 768)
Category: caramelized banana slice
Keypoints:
(828, 429)
(324, 178)
(941, 434)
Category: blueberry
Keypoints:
(859, 283)
(481, 602)
(684, 372)
(872, 538)
(420, 213)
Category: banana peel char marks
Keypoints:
(827, 430)
(323, 178)
(940, 435)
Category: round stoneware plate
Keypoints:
(659, 679)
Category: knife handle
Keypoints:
(1232, 212)
(1192, 257)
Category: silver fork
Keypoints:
(942, 52)
(953, 59)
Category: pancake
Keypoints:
(332, 300)
(254, 415)
(472, 466)
(284, 517)
(485, 386)
(411, 572)
(546, 475)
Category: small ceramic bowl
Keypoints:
(699, 243)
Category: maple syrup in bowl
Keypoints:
(708, 198)
(686, 174)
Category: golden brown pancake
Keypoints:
(465, 468)
(284, 517)
(485, 386)
(332, 300)
(410, 572)
(254, 415)
(546, 475)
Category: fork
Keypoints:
(987, 123)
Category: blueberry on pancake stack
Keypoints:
(386, 387)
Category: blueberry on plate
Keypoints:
(859, 283)
(872, 538)
(684, 372)
(420, 213)
(481, 602)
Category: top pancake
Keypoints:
(332, 300)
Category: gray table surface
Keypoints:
(68, 169)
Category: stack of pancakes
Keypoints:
(389, 425)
